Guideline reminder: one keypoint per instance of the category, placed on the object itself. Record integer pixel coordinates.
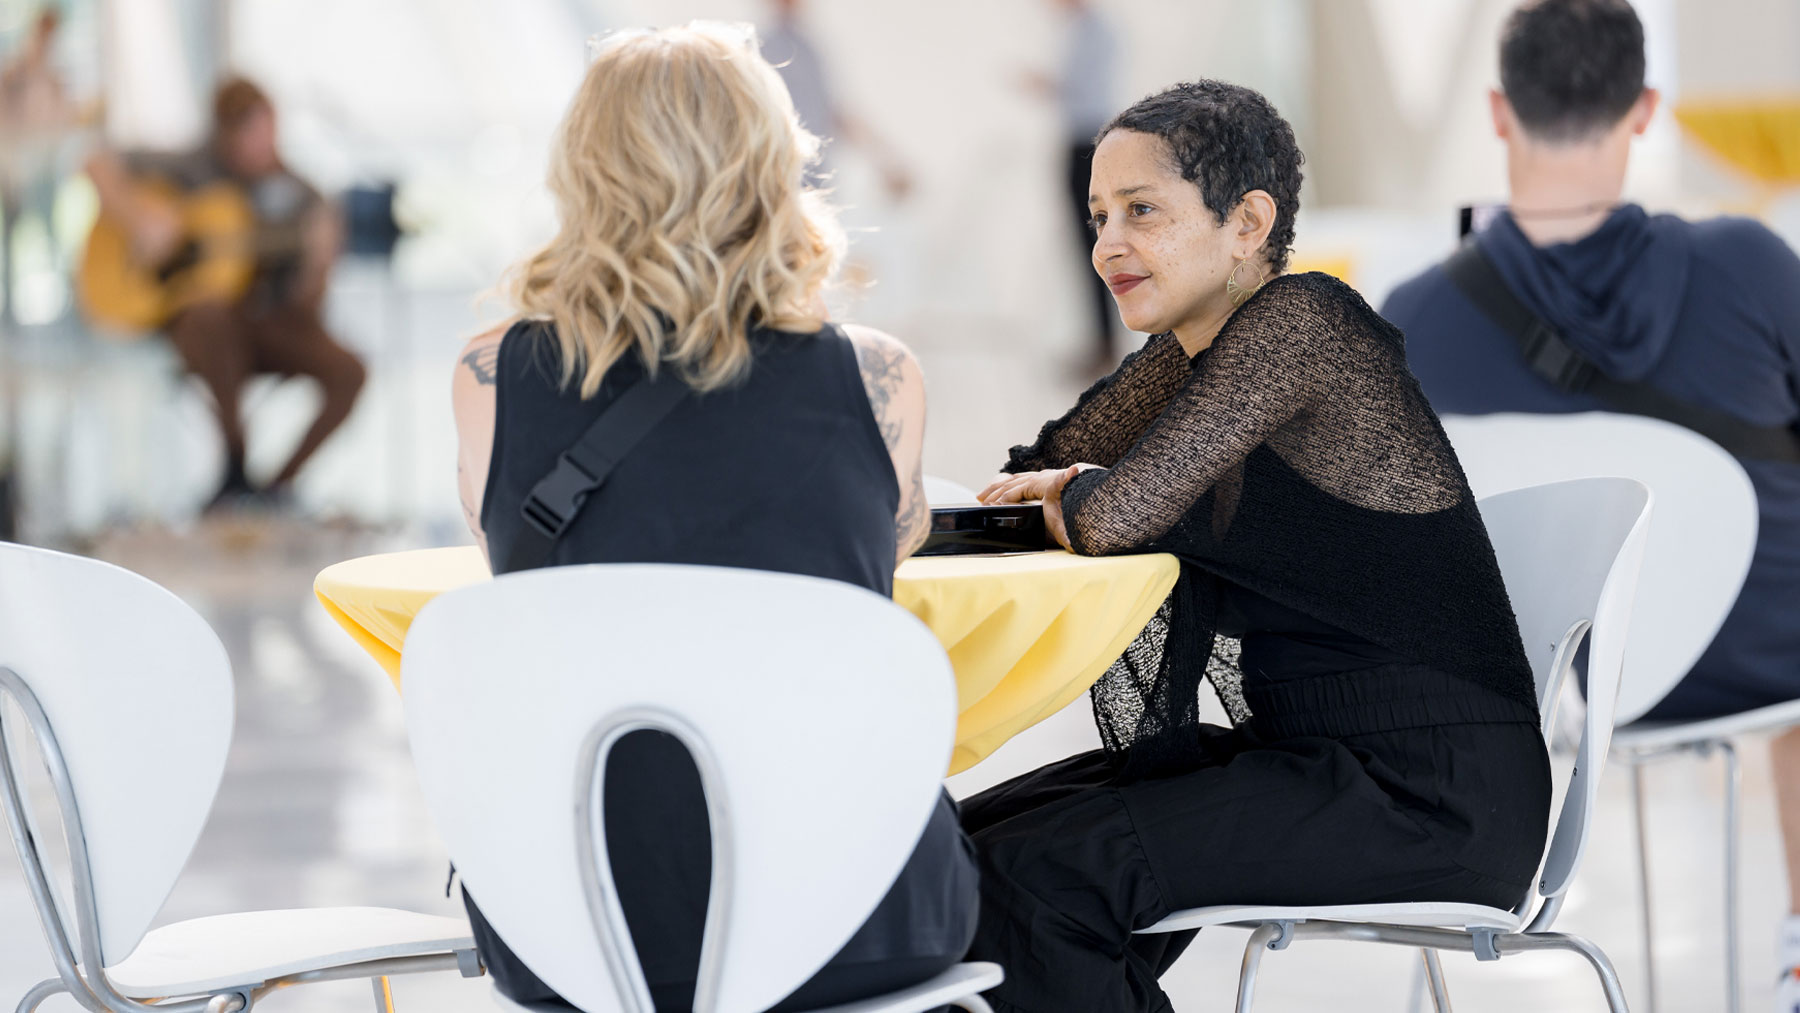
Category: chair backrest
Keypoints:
(944, 492)
(1570, 553)
(129, 690)
(821, 717)
(1699, 548)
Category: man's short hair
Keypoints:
(1572, 69)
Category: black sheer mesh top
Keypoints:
(1297, 459)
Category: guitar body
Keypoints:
(215, 261)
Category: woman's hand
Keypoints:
(1037, 485)
(1021, 488)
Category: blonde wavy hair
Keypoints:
(678, 176)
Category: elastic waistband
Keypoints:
(1374, 700)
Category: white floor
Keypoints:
(319, 805)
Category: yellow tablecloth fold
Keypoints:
(1026, 634)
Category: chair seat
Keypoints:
(1452, 916)
(223, 951)
(960, 982)
(1664, 734)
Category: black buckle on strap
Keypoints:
(556, 500)
(1551, 358)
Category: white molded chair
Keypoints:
(944, 492)
(820, 716)
(1695, 561)
(1697, 553)
(127, 693)
(1569, 553)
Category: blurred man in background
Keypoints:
(33, 101)
(786, 44)
(1706, 313)
(34, 115)
(275, 327)
(1084, 89)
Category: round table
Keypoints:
(1026, 633)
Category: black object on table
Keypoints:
(968, 530)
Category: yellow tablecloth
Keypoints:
(1026, 634)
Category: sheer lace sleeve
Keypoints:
(1275, 357)
(1110, 416)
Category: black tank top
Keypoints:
(786, 471)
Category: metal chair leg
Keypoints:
(1733, 782)
(1434, 974)
(39, 992)
(1415, 993)
(1639, 810)
(1253, 952)
(384, 994)
(1596, 958)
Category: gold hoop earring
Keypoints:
(1235, 291)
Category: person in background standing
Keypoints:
(786, 45)
(1085, 91)
(34, 118)
(33, 101)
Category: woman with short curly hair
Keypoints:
(1334, 566)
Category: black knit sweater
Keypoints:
(1295, 457)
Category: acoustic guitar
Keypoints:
(215, 260)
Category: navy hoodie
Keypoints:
(1708, 312)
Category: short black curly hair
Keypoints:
(1572, 69)
(1227, 140)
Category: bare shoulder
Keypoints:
(479, 361)
(878, 344)
(888, 366)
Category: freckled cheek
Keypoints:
(1163, 257)
(1177, 255)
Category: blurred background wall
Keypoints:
(454, 101)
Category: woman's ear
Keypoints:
(1255, 220)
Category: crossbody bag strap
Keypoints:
(557, 498)
(1560, 364)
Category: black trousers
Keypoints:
(1102, 311)
(657, 835)
(1393, 784)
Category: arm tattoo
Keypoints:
(882, 365)
(469, 515)
(914, 518)
(881, 377)
(484, 362)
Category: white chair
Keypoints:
(1569, 553)
(127, 693)
(820, 716)
(1697, 553)
(943, 492)
(1695, 561)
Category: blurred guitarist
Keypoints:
(275, 326)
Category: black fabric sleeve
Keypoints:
(1110, 415)
(1268, 365)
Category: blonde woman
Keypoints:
(690, 249)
